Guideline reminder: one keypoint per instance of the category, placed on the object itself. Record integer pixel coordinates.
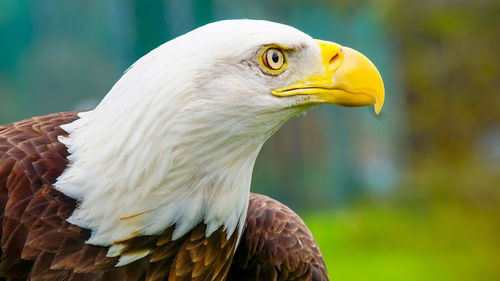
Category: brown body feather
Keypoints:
(38, 244)
(276, 246)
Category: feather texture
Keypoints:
(276, 246)
(38, 244)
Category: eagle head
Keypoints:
(247, 75)
(175, 140)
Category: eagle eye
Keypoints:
(273, 59)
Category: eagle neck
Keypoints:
(139, 182)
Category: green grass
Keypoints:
(397, 244)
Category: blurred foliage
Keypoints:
(442, 222)
(450, 69)
(375, 241)
(450, 61)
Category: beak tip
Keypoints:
(378, 107)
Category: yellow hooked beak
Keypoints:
(349, 79)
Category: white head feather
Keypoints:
(176, 138)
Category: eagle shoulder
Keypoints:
(276, 245)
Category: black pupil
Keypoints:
(275, 57)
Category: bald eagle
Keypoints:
(154, 183)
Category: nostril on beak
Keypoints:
(335, 57)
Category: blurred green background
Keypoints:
(412, 194)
